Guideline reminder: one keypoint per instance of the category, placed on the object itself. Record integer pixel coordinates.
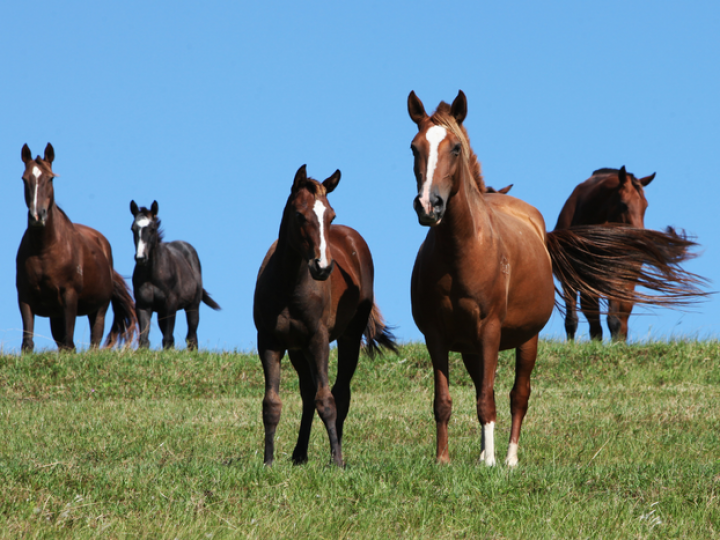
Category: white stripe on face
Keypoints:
(36, 173)
(435, 135)
(319, 209)
(141, 222)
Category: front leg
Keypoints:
(167, 327)
(144, 316)
(270, 356)
(69, 316)
(317, 355)
(28, 322)
(442, 404)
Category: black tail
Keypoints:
(377, 334)
(607, 261)
(125, 324)
(209, 301)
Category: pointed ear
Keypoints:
(622, 175)
(506, 189)
(300, 178)
(459, 107)
(134, 208)
(416, 109)
(645, 181)
(154, 209)
(26, 153)
(49, 153)
(331, 182)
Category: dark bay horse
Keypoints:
(483, 278)
(608, 196)
(166, 279)
(64, 269)
(315, 286)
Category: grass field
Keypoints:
(620, 442)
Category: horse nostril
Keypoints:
(437, 202)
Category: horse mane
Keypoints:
(610, 170)
(443, 117)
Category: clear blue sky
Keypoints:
(210, 108)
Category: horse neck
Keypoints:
(290, 263)
(55, 230)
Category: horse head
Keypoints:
(627, 204)
(437, 149)
(309, 216)
(38, 180)
(146, 231)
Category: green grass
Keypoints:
(620, 442)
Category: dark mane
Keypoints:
(609, 170)
(442, 117)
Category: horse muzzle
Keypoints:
(433, 217)
(38, 219)
(319, 273)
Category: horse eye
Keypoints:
(299, 217)
(456, 150)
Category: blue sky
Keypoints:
(210, 108)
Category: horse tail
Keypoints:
(609, 260)
(377, 334)
(125, 323)
(209, 301)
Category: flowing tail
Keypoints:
(608, 260)
(209, 301)
(377, 334)
(125, 324)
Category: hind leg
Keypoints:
(617, 319)
(57, 328)
(166, 322)
(307, 393)
(97, 325)
(571, 318)
(590, 306)
(348, 356)
(192, 314)
(270, 356)
(525, 356)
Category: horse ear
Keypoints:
(506, 189)
(49, 153)
(154, 209)
(331, 182)
(459, 107)
(26, 153)
(645, 181)
(134, 208)
(416, 109)
(300, 178)
(622, 175)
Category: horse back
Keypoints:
(581, 206)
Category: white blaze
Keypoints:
(435, 135)
(319, 209)
(36, 173)
(141, 222)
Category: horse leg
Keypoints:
(167, 327)
(68, 322)
(617, 319)
(348, 356)
(525, 356)
(442, 404)
(590, 306)
(57, 329)
(571, 318)
(318, 352)
(144, 316)
(307, 393)
(28, 322)
(192, 314)
(270, 357)
(97, 325)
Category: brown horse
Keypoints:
(65, 269)
(608, 196)
(483, 278)
(315, 286)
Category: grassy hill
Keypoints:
(619, 442)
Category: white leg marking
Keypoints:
(435, 135)
(319, 209)
(488, 439)
(512, 458)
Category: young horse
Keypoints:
(65, 269)
(608, 196)
(483, 278)
(167, 278)
(315, 286)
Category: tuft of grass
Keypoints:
(621, 441)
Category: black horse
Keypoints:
(167, 278)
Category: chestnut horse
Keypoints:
(483, 278)
(315, 286)
(65, 269)
(166, 279)
(608, 196)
